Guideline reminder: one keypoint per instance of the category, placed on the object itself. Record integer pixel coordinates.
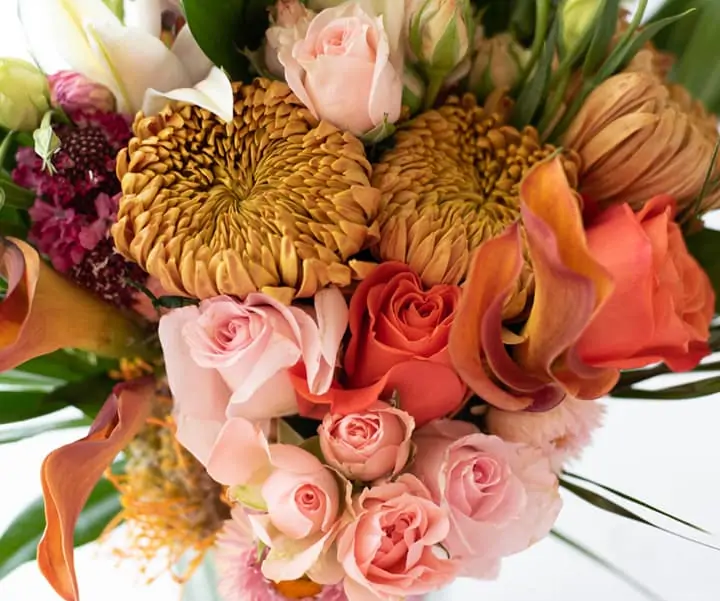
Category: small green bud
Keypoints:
(24, 95)
(576, 17)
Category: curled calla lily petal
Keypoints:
(570, 284)
(570, 287)
(70, 473)
(476, 341)
(43, 312)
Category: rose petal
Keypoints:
(70, 473)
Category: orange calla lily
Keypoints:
(70, 473)
(43, 312)
(570, 287)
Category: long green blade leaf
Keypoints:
(610, 506)
(18, 543)
(23, 430)
(610, 567)
(681, 392)
(627, 497)
(605, 26)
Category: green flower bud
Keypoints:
(576, 17)
(413, 90)
(24, 95)
(440, 34)
(498, 63)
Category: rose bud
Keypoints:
(369, 445)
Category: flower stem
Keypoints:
(541, 25)
(433, 90)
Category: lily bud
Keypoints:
(439, 33)
(72, 91)
(24, 95)
(498, 64)
(413, 90)
(576, 17)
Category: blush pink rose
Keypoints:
(342, 69)
(295, 499)
(501, 497)
(663, 301)
(391, 549)
(228, 358)
(290, 21)
(562, 433)
(367, 445)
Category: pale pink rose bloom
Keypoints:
(296, 499)
(240, 576)
(562, 433)
(502, 497)
(342, 69)
(369, 445)
(291, 23)
(390, 549)
(227, 358)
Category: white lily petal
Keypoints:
(191, 56)
(57, 34)
(214, 93)
(138, 62)
(145, 15)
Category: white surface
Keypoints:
(665, 453)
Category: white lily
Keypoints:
(130, 60)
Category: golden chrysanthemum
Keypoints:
(638, 138)
(450, 182)
(274, 201)
(170, 505)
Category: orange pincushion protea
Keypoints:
(274, 201)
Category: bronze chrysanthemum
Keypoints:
(274, 201)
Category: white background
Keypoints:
(666, 453)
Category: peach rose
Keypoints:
(391, 548)
(295, 499)
(369, 445)
(227, 358)
(662, 303)
(501, 497)
(561, 433)
(399, 333)
(342, 69)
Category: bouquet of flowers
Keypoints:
(337, 284)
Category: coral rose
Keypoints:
(502, 497)
(391, 548)
(341, 40)
(561, 432)
(399, 333)
(368, 445)
(227, 358)
(662, 303)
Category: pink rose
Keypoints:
(501, 497)
(340, 41)
(391, 549)
(369, 445)
(295, 499)
(227, 358)
(561, 433)
(290, 21)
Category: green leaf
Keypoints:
(69, 365)
(23, 430)
(16, 196)
(604, 29)
(18, 543)
(534, 89)
(224, 28)
(705, 247)
(17, 406)
(691, 390)
(611, 506)
(627, 497)
(117, 7)
(604, 563)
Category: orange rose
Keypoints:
(399, 335)
(662, 303)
